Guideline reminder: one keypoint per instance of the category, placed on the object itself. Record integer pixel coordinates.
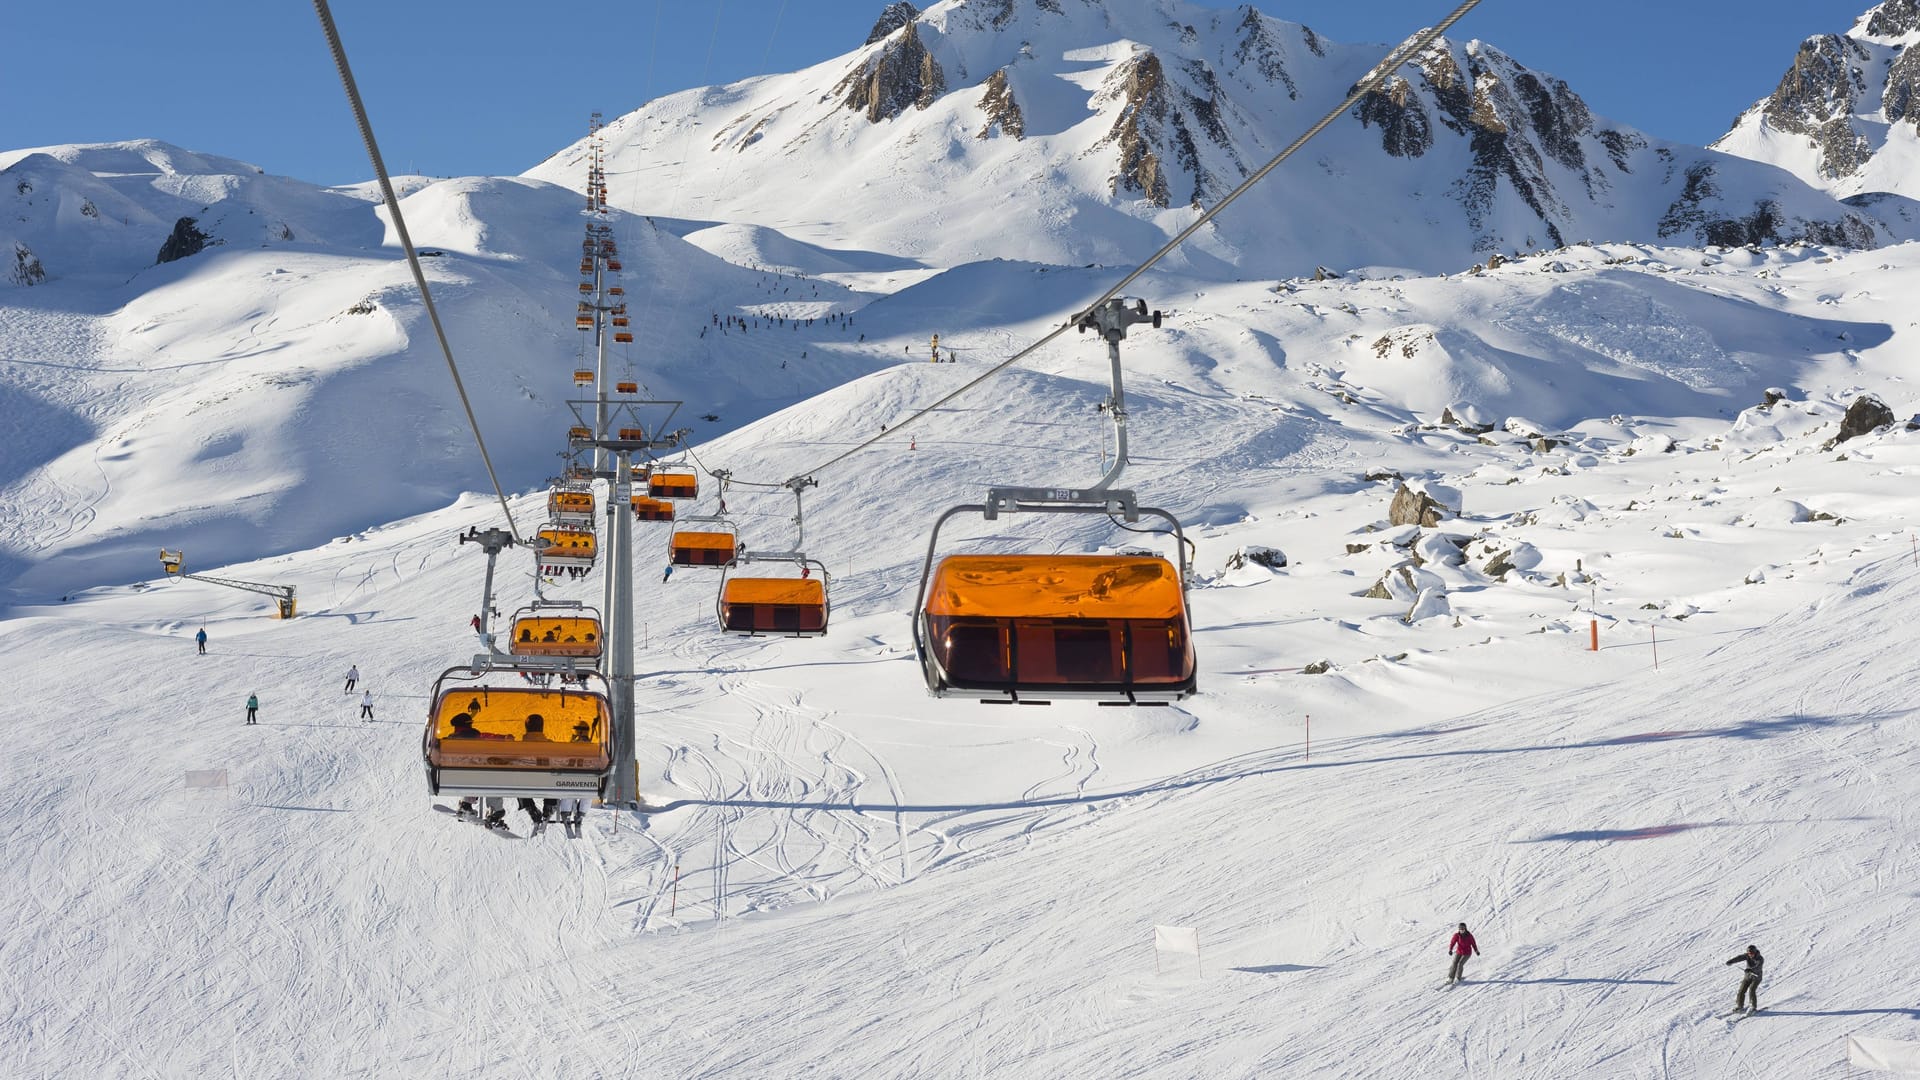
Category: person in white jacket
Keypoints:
(353, 676)
(366, 706)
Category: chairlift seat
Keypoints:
(571, 507)
(1010, 627)
(556, 635)
(773, 605)
(673, 485)
(501, 760)
(693, 548)
(647, 509)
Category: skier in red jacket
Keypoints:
(1461, 947)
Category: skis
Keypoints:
(572, 828)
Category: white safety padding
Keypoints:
(1183, 939)
(206, 778)
(1176, 939)
(1884, 1055)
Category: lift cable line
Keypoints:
(406, 243)
(1406, 51)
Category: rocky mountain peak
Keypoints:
(892, 17)
(1845, 100)
(1895, 18)
(900, 75)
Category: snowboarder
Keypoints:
(200, 639)
(1750, 980)
(667, 574)
(1462, 946)
(366, 706)
(353, 676)
(253, 707)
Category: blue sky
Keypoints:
(492, 87)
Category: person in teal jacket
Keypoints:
(253, 707)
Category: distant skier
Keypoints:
(366, 706)
(200, 639)
(353, 676)
(253, 708)
(1462, 946)
(476, 624)
(667, 574)
(1750, 980)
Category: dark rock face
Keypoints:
(1159, 120)
(1003, 112)
(1412, 507)
(1817, 99)
(1146, 106)
(893, 17)
(1895, 17)
(187, 239)
(1866, 415)
(26, 269)
(1259, 50)
(1903, 89)
(1405, 130)
(901, 75)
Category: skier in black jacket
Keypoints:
(1749, 982)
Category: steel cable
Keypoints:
(406, 243)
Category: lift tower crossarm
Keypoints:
(174, 562)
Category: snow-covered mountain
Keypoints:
(1074, 131)
(275, 383)
(1846, 116)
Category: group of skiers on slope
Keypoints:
(253, 699)
(1746, 999)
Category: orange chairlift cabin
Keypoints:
(586, 286)
(583, 377)
(583, 322)
(673, 482)
(792, 603)
(565, 548)
(702, 540)
(556, 628)
(650, 509)
(1029, 628)
(483, 738)
(626, 388)
(623, 337)
(571, 506)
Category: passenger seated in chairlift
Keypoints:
(548, 636)
(581, 732)
(526, 634)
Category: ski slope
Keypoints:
(839, 876)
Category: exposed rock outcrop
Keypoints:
(26, 269)
(892, 17)
(1003, 112)
(187, 239)
(1412, 507)
(1866, 415)
(902, 75)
